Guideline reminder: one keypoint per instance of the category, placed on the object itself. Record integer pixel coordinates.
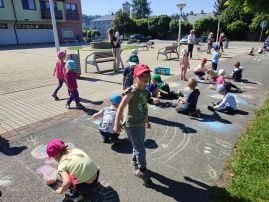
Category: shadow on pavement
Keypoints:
(215, 117)
(83, 100)
(9, 151)
(240, 112)
(95, 80)
(247, 81)
(125, 147)
(151, 144)
(164, 122)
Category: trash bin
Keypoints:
(76, 58)
(226, 43)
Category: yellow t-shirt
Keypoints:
(78, 163)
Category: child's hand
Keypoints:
(117, 129)
(148, 125)
(59, 190)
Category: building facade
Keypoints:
(29, 21)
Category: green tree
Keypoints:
(123, 23)
(159, 25)
(185, 27)
(140, 9)
(237, 29)
(95, 34)
(220, 5)
(142, 26)
(206, 25)
(255, 6)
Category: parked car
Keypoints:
(184, 40)
(138, 38)
(202, 38)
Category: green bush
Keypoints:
(95, 34)
(89, 34)
(206, 25)
(123, 23)
(237, 29)
(185, 27)
(142, 26)
(159, 25)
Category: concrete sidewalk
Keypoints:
(186, 155)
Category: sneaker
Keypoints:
(134, 163)
(55, 97)
(79, 106)
(106, 141)
(147, 182)
(67, 106)
(115, 140)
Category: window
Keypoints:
(28, 4)
(3, 26)
(1, 4)
(44, 5)
(33, 26)
(71, 7)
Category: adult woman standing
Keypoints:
(115, 49)
(221, 40)
(210, 41)
(191, 42)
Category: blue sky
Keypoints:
(97, 7)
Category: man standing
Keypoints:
(191, 42)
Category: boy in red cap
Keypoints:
(77, 171)
(136, 97)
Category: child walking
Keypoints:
(108, 115)
(215, 57)
(228, 103)
(128, 72)
(184, 64)
(136, 97)
(76, 170)
(188, 103)
(71, 82)
(59, 72)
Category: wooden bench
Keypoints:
(168, 50)
(100, 57)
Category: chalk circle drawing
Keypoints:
(5, 180)
(47, 170)
(40, 151)
(212, 173)
(238, 99)
(212, 150)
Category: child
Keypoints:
(228, 85)
(211, 75)
(71, 82)
(136, 97)
(236, 74)
(75, 169)
(227, 105)
(251, 52)
(200, 70)
(108, 115)
(128, 72)
(59, 72)
(215, 57)
(189, 102)
(184, 64)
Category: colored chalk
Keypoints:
(46, 170)
(40, 152)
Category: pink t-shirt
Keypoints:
(59, 70)
(220, 80)
(71, 80)
(200, 68)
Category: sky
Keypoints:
(168, 7)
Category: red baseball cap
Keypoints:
(55, 147)
(140, 69)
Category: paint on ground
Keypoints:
(216, 125)
(5, 180)
(97, 122)
(175, 85)
(239, 100)
(247, 96)
(250, 87)
(47, 170)
(208, 150)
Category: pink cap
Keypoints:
(204, 60)
(61, 54)
(55, 147)
(140, 69)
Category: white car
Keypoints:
(184, 40)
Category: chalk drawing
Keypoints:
(5, 180)
(174, 85)
(216, 96)
(249, 87)
(238, 99)
(212, 173)
(153, 107)
(47, 171)
(50, 161)
(97, 122)
(164, 145)
(224, 143)
(208, 150)
(248, 96)
(31, 141)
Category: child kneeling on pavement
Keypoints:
(188, 103)
(108, 115)
(228, 103)
(76, 170)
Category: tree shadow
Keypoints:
(125, 147)
(7, 150)
(164, 122)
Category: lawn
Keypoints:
(249, 165)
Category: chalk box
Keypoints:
(162, 70)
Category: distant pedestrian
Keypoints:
(136, 98)
(115, 49)
(128, 72)
(59, 72)
(215, 57)
(184, 64)
(221, 40)
(108, 115)
(191, 42)
(71, 82)
(210, 42)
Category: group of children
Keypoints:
(77, 171)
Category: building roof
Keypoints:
(196, 16)
(108, 17)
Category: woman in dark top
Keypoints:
(115, 49)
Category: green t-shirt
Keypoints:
(137, 107)
(78, 164)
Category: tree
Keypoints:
(140, 9)
(95, 33)
(159, 25)
(254, 6)
(206, 25)
(142, 26)
(123, 23)
(185, 27)
(237, 29)
(220, 5)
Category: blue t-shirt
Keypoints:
(215, 57)
(129, 73)
(192, 99)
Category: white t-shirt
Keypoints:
(108, 120)
(191, 39)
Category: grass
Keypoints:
(249, 166)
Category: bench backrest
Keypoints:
(170, 48)
(101, 55)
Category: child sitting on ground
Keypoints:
(236, 74)
(184, 64)
(108, 115)
(128, 72)
(188, 103)
(211, 75)
(228, 85)
(201, 69)
(75, 169)
(71, 82)
(59, 72)
(227, 105)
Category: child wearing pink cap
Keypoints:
(77, 171)
(59, 72)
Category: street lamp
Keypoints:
(180, 6)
